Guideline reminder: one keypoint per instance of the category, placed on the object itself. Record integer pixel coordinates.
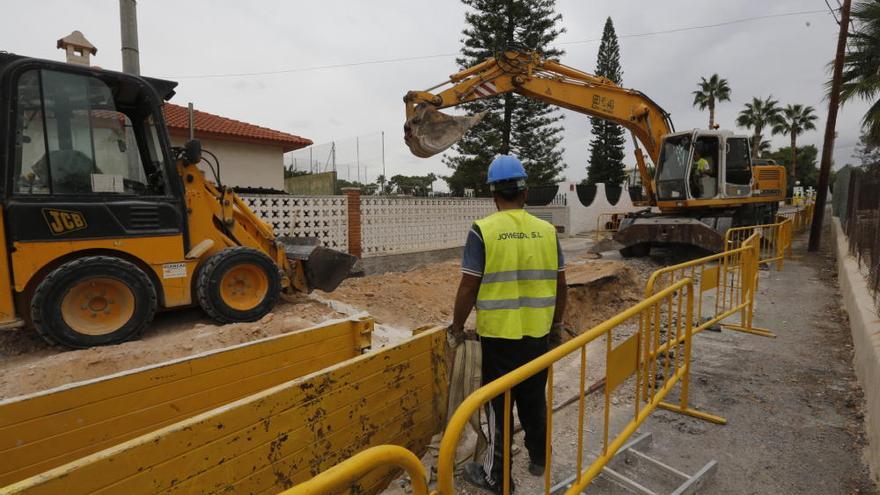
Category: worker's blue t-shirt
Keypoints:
(474, 260)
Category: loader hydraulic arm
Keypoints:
(549, 81)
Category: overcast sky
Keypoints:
(783, 56)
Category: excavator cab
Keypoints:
(699, 165)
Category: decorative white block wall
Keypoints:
(409, 225)
(324, 217)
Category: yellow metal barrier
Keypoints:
(775, 242)
(608, 223)
(343, 475)
(801, 217)
(726, 284)
(44, 430)
(655, 358)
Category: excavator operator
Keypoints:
(703, 175)
(513, 272)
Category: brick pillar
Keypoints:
(355, 246)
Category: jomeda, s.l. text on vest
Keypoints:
(503, 236)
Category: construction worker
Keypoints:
(704, 175)
(513, 272)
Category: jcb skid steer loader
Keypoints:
(102, 223)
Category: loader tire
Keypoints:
(93, 301)
(238, 284)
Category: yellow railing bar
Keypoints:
(446, 460)
(342, 475)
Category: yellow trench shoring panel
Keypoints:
(45, 430)
(271, 440)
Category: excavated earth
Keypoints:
(399, 301)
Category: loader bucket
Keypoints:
(430, 131)
(325, 268)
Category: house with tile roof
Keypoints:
(250, 155)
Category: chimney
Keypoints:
(77, 48)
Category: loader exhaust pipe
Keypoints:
(430, 131)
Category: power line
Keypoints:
(444, 55)
(704, 26)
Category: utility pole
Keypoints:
(384, 177)
(830, 125)
(128, 23)
(357, 151)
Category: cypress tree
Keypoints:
(513, 124)
(606, 147)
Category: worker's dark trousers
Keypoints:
(500, 356)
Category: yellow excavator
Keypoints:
(103, 223)
(696, 199)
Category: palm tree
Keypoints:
(861, 65)
(712, 90)
(794, 121)
(765, 147)
(756, 116)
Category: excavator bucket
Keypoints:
(430, 131)
(325, 268)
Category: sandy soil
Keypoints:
(399, 301)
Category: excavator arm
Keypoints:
(428, 131)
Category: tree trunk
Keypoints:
(756, 145)
(793, 159)
(508, 124)
(508, 97)
(711, 114)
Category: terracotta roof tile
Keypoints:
(210, 125)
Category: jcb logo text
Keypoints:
(63, 221)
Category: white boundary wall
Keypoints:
(398, 225)
(392, 225)
(324, 217)
(865, 327)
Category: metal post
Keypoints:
(191, 120)
(128, 24)
(828, 146)
(333, 155)
(384, 177)
(310, 158)
(357, 152)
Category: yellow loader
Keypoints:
(103, 223)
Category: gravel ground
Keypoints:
(793, 405)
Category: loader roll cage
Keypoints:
(52, 128)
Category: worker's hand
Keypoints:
(557, 332)
(456, 334)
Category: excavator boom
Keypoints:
(428, 131)
(696, 205)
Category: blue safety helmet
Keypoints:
(506, 172)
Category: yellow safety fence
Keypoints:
(775, 242)
(607, 224)
(800, 217)
(647, 354)
(726, 284)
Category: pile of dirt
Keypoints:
(174, 335)
(399, 301)
(598, 290)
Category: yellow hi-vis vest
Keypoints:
(517, 295)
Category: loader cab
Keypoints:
(86, 154)
(703, 165)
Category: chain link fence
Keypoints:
(861, 223)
